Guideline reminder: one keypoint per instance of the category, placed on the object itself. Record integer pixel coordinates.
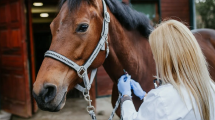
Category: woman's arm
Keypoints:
(128, 110)
(151, 109)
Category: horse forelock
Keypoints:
(72, 4)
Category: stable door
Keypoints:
(14, 65)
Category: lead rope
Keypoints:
(91, 109)
(115, 108)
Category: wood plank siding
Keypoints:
(103, 82)
(175, 9)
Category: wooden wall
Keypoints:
(176, 9)
(103, 83)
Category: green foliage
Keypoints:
(206, 10)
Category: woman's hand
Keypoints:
(124, 85)
(138, 91)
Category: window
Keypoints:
(149, 9)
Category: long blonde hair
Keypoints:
(180, 61)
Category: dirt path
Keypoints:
(75, 109)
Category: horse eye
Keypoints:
(82, 28)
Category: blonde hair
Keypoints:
(180, 61)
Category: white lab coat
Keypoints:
(164, 103)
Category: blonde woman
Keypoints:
(187, 91)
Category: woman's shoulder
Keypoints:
(164, 93)
(162, 90)
(168, 95)
(168, 98)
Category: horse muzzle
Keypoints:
(49, 98)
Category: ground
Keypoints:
(75, 109)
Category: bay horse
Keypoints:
(75, 33)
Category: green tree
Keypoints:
(206, 10)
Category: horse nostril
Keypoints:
(49, 92)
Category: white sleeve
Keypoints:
(151, 109)
(128, 110)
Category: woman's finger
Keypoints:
(132, 85)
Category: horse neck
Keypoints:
(129, 50)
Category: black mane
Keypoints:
(128, 17)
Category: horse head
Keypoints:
(76, 32)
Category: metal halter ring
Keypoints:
(90, 108)
(87, 96)
(107, 17)
(85, 92)
(82, 69)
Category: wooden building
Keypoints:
(25, 36)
